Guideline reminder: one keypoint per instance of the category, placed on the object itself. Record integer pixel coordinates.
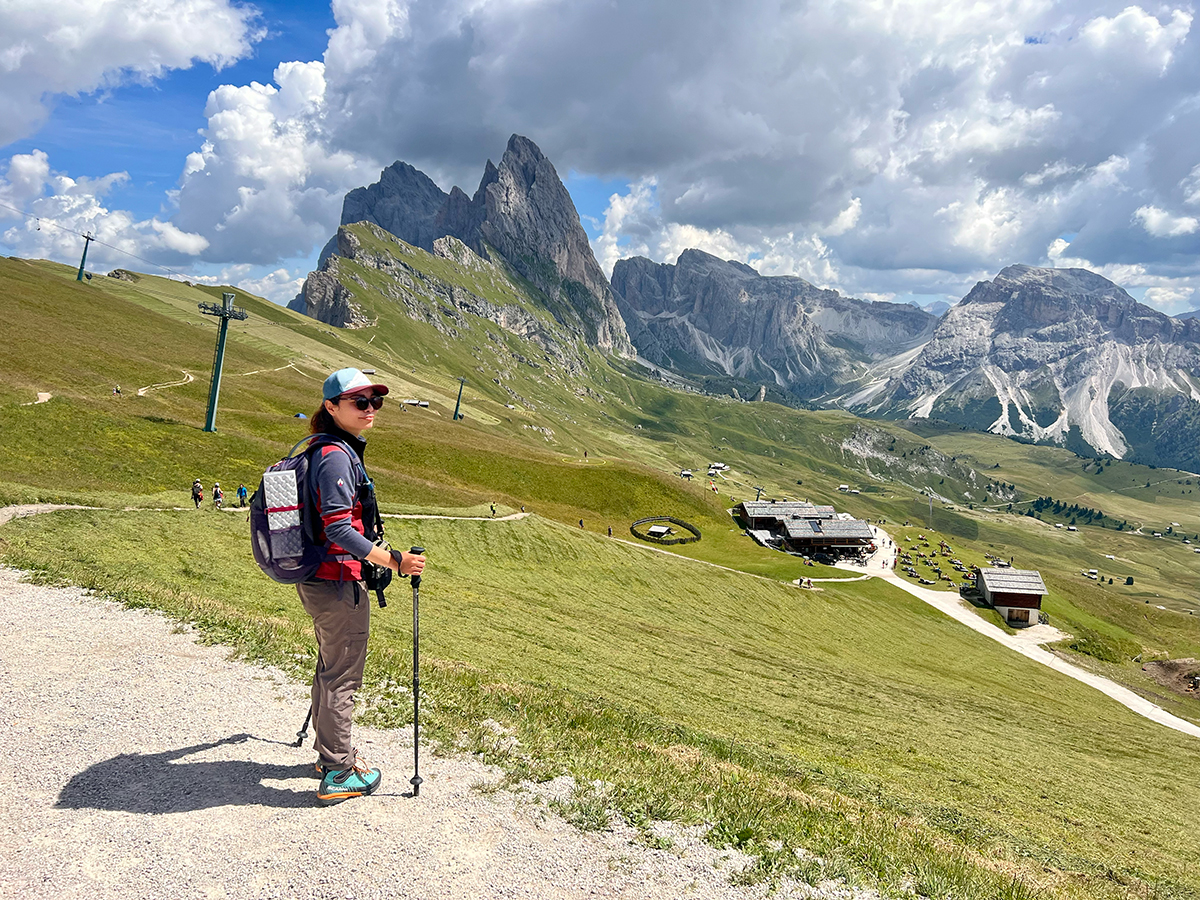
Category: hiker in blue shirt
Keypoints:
(241, 492)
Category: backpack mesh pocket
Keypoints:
(283, 514)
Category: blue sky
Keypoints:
(897, 154)
(148, 129)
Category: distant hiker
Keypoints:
(218, 494)
(493, 510)
(241, 492)
(585, 454)
(197, 493)
(337, 597)
(581, 523)
(117, 391)
(522, 508)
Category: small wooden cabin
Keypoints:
(1015, 593)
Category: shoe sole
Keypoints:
(331, 799)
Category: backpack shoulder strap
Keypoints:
(322, 440)
(356, 465)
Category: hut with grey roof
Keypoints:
(1015, 593)
(803, 527)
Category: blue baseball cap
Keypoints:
(345, 380)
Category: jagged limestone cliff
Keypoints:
(521, 216)
(705, 315)
(445, 296)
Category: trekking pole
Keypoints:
(416, 780)
(303, 732)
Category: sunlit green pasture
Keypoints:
(858, 702)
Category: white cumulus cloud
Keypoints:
(279, 285)
(58, 209)
(884, 148)
(264, 185)
(80, 46)
(1161, 223)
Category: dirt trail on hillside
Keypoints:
(188, 378)
(147, 766)
(8, 513)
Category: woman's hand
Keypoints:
(382, 557)
(408, 563)
(411, 563)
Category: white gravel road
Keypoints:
(143, 765)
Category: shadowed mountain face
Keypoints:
(404, 201)
(1057, 355)
(705, 315)
(520, 214)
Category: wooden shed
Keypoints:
(1015, 593)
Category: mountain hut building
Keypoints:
(1015, 593)
(803, 527)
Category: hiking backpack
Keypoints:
(283, 515)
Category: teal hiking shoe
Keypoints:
(356, 781)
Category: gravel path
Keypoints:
(144, 765)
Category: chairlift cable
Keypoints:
(94, 239)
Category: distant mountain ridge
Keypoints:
(704, 315)
(1060, 356)
(521, 213)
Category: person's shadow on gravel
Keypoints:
(155, 783)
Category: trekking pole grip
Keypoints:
(419, 551)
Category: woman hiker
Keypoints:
(337, 597)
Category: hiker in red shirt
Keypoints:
(337, 597)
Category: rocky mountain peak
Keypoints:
(1055, 355)
(404, 201)
(522, 212)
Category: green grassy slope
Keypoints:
(857, 701)
(901, 730)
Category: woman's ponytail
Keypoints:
(321, 422)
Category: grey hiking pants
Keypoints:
(341, 614)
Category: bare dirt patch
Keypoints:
(1180, 675)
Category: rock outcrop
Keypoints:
(404, 201)
(439, 301)
(326, 297)
(705, 315)
(522, 213)
(1056, 355)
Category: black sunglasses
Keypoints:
(361, 403)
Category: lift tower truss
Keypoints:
(225, 311)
